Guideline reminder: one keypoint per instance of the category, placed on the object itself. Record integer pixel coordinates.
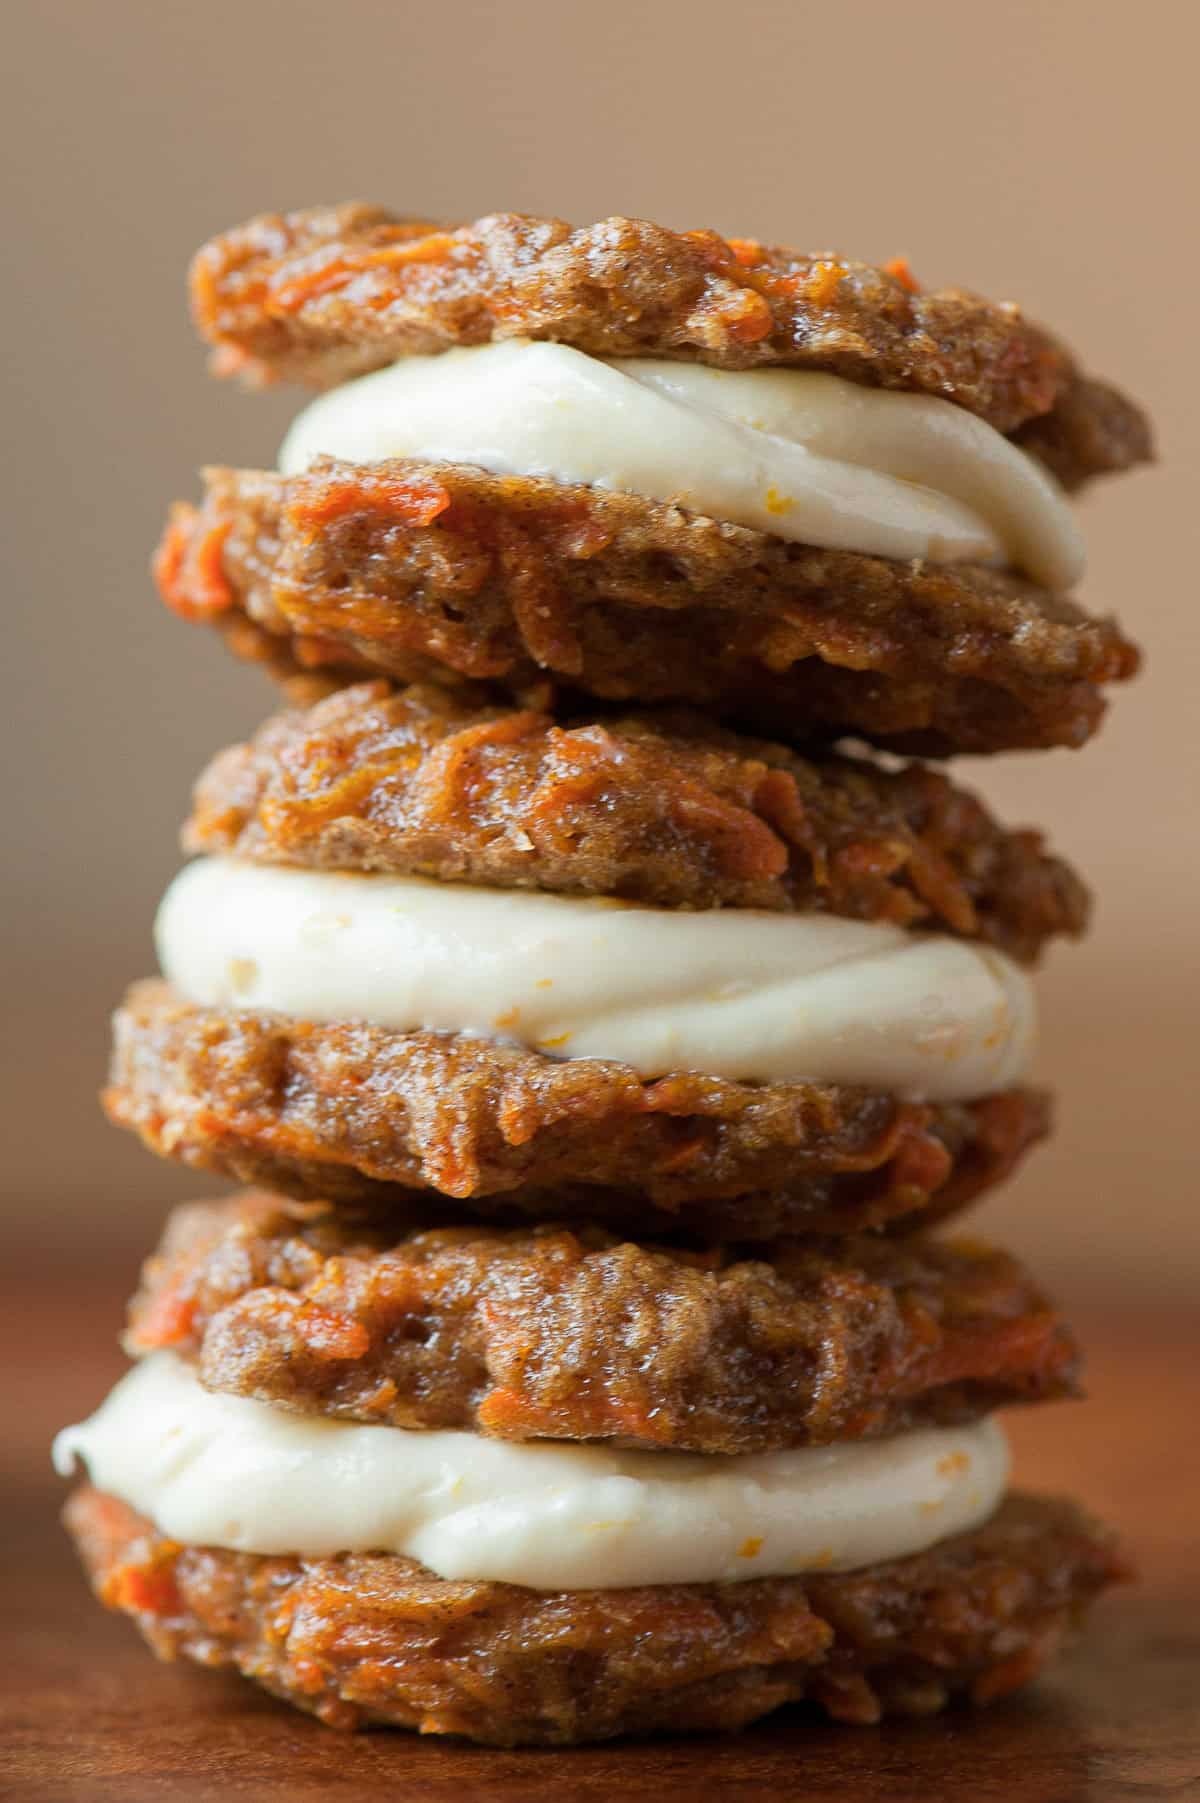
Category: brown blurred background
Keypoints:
(1044, 152)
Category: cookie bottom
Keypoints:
(380, 1639)
(437, 1126)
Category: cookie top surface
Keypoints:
(661, 809)
(543, 1333)
(432, 571)
(325, 293)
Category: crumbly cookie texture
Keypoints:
(425, 571)
(440, 1125)
(329, 292)
(573, 1334)
(663, 810)
(363, 1639)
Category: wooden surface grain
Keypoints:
(85, 1713)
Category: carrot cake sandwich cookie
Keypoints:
(799, 492)
(538, 1485)
(635, 969)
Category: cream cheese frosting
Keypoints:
(737, 993)
(216, 1470)
(803, 455)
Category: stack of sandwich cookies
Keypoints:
(590, 1369)
(612, 969)
(659, 467)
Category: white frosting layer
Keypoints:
(214, 1470)
(736, 993)
(805, 456)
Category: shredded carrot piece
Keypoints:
(920, 1162)
(168, 557)
(330, 1335)
(753, 319)
(168, 1321)
(311, 284)
(309, 1676)
(821, 282)
(747, 250)
(712, 248)
(508, 1413)
(149, 1591)
(898, 268)
(188, 568)
(413, 500)
(210, 592)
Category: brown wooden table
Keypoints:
(85, 1713)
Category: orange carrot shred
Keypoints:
(898, 268)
